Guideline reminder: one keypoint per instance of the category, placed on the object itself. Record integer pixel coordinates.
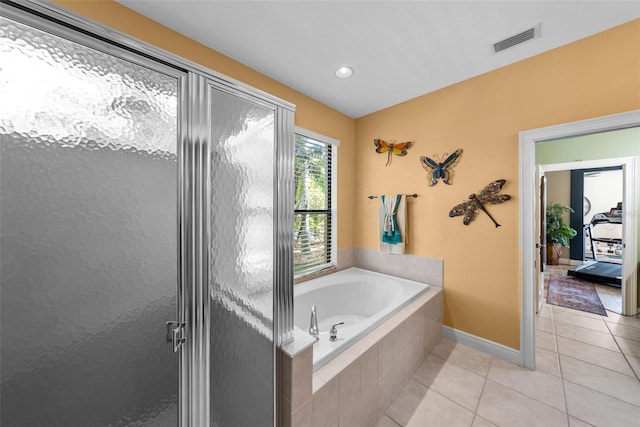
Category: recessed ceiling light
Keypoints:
(344, 72)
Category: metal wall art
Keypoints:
(488, 195)
(440, 169)
(399, 149)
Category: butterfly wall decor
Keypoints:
(399, 148)
(440, 169)
(488, 195)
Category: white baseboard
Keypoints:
(498, 350)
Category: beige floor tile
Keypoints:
(546, 312)
(538, 385)
(385, 421)
(505, 407)
(544, 324)
(574, 422)
(405, 404)
(546, 340)
(604, 380)
(438, 411)
(481, 422)
(599, 409)
(632, 321)
(582, 321)
(611, 303)
(453, 382)
(598, 387)
(603, 357)
(557, 309)
(589, 336)
(547, 361)
(444, 348)
(635, 364)
(624, 331)
(629, 347)
(463, 356)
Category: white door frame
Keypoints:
(527, 162)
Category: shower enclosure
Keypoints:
(145, 208)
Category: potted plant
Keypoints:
(558, 233)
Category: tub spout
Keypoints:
(313, 324)
(333, 332)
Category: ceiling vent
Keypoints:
(531, 33)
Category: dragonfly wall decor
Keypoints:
(397, 148)
(488, 195)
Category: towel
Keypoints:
(392, 224)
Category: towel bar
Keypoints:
(407, 195)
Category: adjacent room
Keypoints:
(593, 209)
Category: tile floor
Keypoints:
(611, 297)
(588, 369)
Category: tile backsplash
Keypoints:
(411, 267)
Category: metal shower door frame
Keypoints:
(193, 150)
(196, 203)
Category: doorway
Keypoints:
(528, 183)
(592, 194)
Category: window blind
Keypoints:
(312, 205)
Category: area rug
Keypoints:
(567, 291)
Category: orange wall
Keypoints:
(593, 77)
(310, 114)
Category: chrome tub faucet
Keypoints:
(333, 332)
(313, 324)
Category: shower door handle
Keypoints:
(175, 335)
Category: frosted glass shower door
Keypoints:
(241, 260)
(88, 222)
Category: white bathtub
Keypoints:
(361, 299)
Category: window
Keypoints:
(314, 205)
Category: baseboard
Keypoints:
(498, 350)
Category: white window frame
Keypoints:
(334, 198)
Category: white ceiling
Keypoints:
(399, 49)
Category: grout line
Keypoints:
(609, 333)
(453, 401)
(598, 390)
(532, 398)
(595, 364)
(391, 419)
(461, 367)
(564, 391)
(623, 354)
(486, 377)
(602, 393)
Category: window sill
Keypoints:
(314, 274)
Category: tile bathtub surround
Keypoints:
(356, 387)
(346, 258)
(411, 267)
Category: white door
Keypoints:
(541, 232)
